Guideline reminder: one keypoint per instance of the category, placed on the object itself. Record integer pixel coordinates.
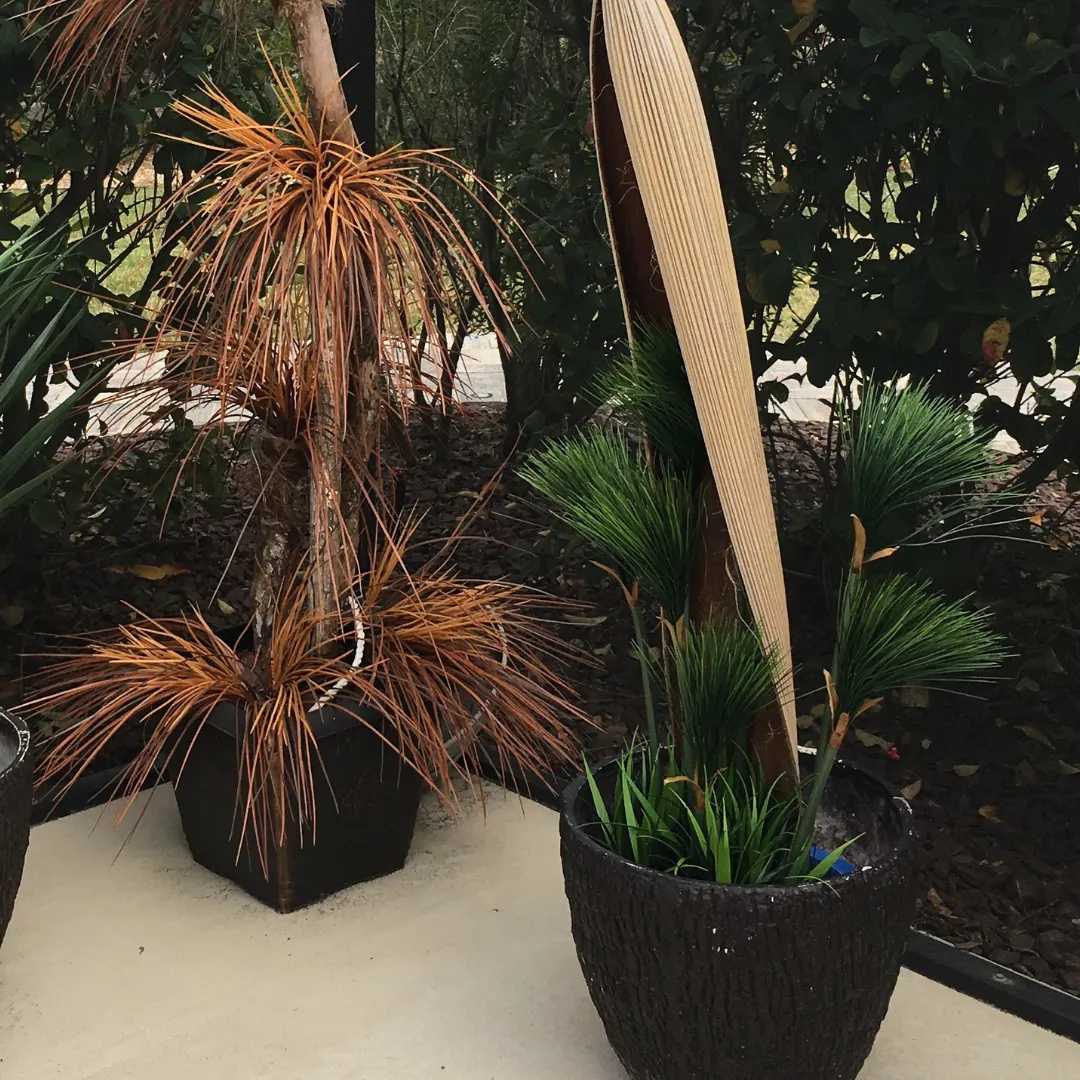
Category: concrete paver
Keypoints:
(460, 967)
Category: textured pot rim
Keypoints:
(845, 881)
(22, 742)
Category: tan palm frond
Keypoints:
(660, 111)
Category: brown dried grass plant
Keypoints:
(303, 247)
(95, 42)
(445, 661)
(307, 269)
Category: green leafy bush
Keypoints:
(31, 434)
(902, 178)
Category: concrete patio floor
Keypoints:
(461, 967)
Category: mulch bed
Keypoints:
(995, 781)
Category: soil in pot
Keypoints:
(697, 981)
(366, 802)
(16, 796)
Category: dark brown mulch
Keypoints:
(1000, 872)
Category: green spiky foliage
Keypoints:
(691, 800)
(896, 631)
(723, 675)
(649, 387)
(640, 518)
(732, 830)
(891, 633)
(28, 267)
(905, 453)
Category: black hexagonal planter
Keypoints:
(697, 981)
(366, 801)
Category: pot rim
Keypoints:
(22, 742)
(569, 818)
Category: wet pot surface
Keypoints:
(696, 981)
(16, 796)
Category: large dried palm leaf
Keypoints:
(658, 113)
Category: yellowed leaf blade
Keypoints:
(996, 340)
(990, 813)
(672, 154)
(860, 545)
(1032, 732)
(156, 573)
(964, 771)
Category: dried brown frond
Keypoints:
(97, 41)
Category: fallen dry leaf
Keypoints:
(1025, 774)
(926, 744)
(115, 570)
(1001, 722)
(804, 7)
(939, 905)
(11, 615)
(225, 608)
(1037, 519)
(1067, 769)
(915, 697)
(818, 711)
(967, 944)
(156, 573)
(996, 338)
(804, 723)
(965, 770)
(585, 620)
(770, 247)
(1032, 732)
(868, 739)
(1027, 684)
(990, 813)
(604, 650)
(911, 790)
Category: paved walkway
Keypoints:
(480, 378)
(460, 967)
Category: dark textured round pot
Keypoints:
(697, 981)
(16, 796)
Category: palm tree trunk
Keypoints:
(310, 32)
(332, 511)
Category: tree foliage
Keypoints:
(506, 87)
(902, 180)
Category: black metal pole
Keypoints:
(352, 29)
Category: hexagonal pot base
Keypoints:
(366, 806)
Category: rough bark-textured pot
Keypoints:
(696, 981)
(367, 835)
(16, 796)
